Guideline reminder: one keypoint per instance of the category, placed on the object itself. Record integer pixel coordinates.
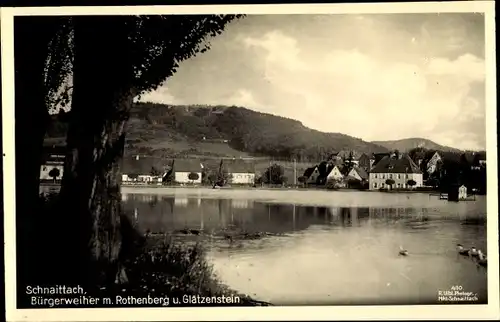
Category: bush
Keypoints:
(333, 184)
(166, 269)
(411, 183)
(193, 176)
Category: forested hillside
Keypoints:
(225, 131)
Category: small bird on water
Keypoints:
(462, 250)
(473, 252)
(228, 238)
(482, 260)
(403, 252)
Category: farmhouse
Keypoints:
(335, 174)
(401, 171)
(143, 169)
(183, 168)
(462, 192)
(240, 171)
(357, 173)
(52, 167)
(311, 174)
(365, 162)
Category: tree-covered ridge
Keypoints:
(241, 129)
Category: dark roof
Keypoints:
(392, 165)
(144, 164)
(239, 166)
(309, 171)
(212, 164)
(187, 165)
(361, 172)
(380, 156)
(344, 170)
(364, 156)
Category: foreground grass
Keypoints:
(177, 271)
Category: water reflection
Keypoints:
(311, 250)
(152, 212)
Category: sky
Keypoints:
(373, 76)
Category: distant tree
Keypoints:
(274, 174)
(411, 183)
(323, 168)
(397, 153)
(54, 173)
(302, 179)
(389, 182)
(154, 171)
(349, 162)
(212, 176)
(168, 177)
(220, 178)
(193, 176)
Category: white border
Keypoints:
(465, 312)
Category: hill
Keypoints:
(159, 129)
(405, 145)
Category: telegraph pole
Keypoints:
(294, 172)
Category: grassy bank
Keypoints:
(149, 267)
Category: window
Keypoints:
(399, 176)
(382, 185)
(406, 176)
(383, 176)
(44, 169)
(390, 176)
(375, 185)
(375, 178)
(399, 185)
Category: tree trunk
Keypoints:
(90, 193)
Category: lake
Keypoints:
(325, 247)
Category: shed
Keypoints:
(462, 192)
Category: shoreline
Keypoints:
(250, 188)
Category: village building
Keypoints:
(138, 169)
(335, 174)
(365, 162)
(400, 170)
(240, 171)
(376, 157)
(311, 174)
(432, 164)
(357, 173)
(52, 167)
(462, 192)
(474, 160)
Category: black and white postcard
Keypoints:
(333, 161)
